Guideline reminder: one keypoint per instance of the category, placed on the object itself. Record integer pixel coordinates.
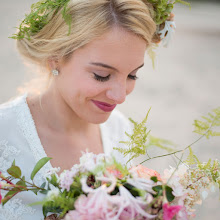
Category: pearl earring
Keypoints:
(55, 72)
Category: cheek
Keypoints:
(130, 86)
(86, 89)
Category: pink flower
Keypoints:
(133, 207)
(66, 179)
(98, 205)
(0, 194)
(113, 170)
(144, 172)
(170, 211)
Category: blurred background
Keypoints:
(184, 85)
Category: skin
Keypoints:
(67, 120)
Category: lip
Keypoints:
(104, 106)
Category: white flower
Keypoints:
(135, 204)
(178, 174)
(182, 170)
(141, 183)
(109, 189)
(85, 157)
(178, 190)
(88, 161)
(52, 171)
(110, 179)
(52, 194)
(167, 33)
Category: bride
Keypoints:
(92, 64)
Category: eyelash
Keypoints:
(106, 78)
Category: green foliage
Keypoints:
(154, 178)
(209, 169)
(14, 171)
(8, 196)
(22, 182)
(39, 165)
(160, 143)
(54, 180)
(51, 206)
(209, 123)
(168, 192)
(152, 54)
(140, 141)
(63, 203)
(137, 143)
(163, 8)
(22, 185)
(134, 191)
(192, 159)
(43, 10)
(39, 17)
(212, 169)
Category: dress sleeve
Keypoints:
(13, 147)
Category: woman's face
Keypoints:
(101, 74)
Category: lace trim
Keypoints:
(14, 210)
(6, 151)
(28, 128)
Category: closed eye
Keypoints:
(132, 77)
(101, 78)
(106, 78)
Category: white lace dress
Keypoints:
(19, 140)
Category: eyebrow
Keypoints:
(111, 67)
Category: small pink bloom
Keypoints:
(170, 211)
(96, 206)
(144, 172)
(113, 170)
(0, 194)
(66, 179)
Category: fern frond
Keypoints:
(137, 140)
(183, 2)
(160, 143)
(208, 124)
(192, 159)
(152, 53)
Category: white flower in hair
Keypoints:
(167, 33)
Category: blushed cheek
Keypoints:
(91, 89)
(130, 87)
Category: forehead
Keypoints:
(117, 47)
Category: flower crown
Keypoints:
(43, 9)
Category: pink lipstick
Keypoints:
(104, 106)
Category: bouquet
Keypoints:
(100, 187)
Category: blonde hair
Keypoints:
(90, 19)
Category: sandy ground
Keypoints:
(184, 85)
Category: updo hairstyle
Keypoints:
(90, 19)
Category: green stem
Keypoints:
(176, 168)
(164, 155)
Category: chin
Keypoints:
(99, 119)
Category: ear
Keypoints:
(52, 63)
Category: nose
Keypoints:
(117, 93)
